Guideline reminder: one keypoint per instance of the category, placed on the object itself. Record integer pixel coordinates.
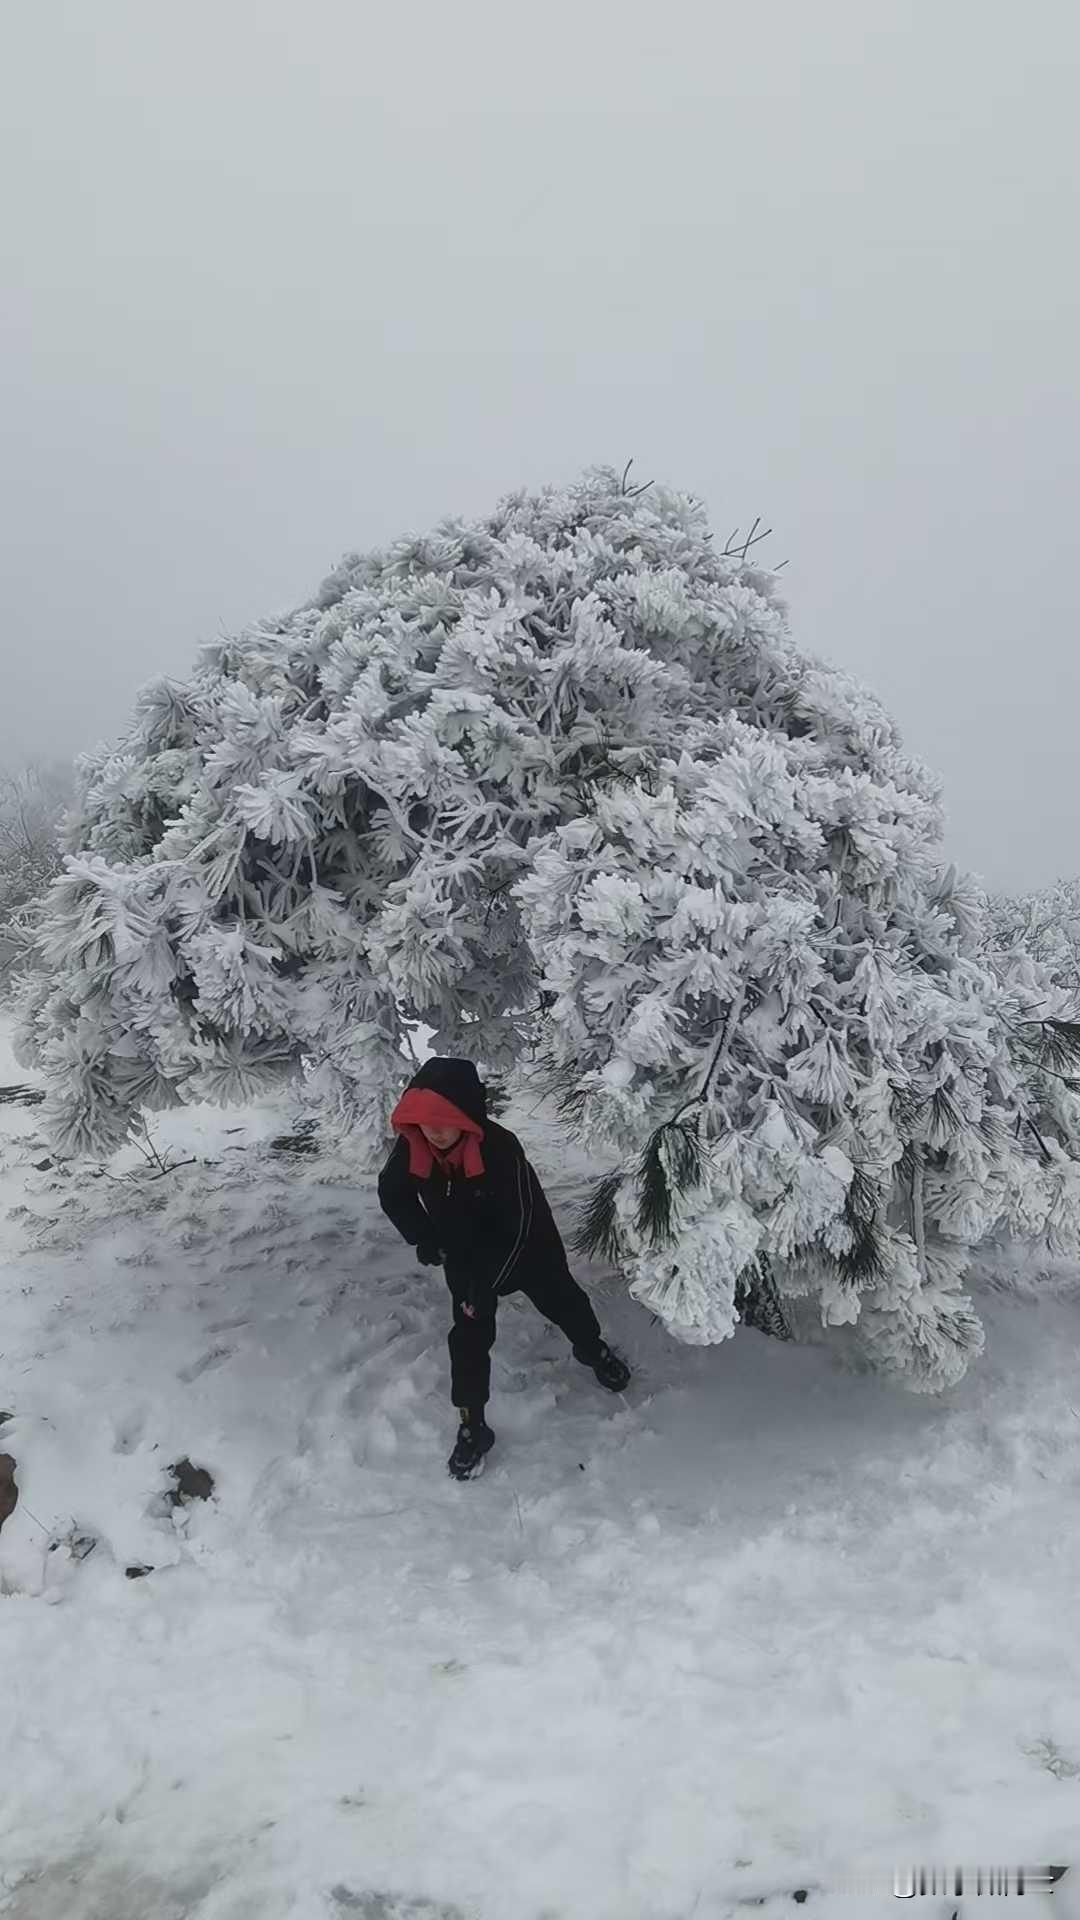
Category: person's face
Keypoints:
(441, 1138)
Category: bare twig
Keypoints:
(720, 1052)
(153, 1158)
(918, 1217)
(631, 493)
(753, 539)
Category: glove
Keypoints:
(428, 1254)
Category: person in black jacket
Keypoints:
(460, 1190)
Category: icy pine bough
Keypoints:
(558, 785)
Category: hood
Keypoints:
(457, 1081)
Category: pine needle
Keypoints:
(598, 1233)
(1060, 1047)
(656, 1192)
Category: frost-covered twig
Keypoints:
(918, 1214)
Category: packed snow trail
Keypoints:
(763, 1621)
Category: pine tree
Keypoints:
(31, 803)
(1042, 926)
(1032, 941)
(559, 786)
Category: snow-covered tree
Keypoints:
(32, 799)
(1032, 940)
(559, 785)
(1044, 925)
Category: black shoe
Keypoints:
(610, 1370)
(475, 1438)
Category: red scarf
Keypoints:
(418, 1107)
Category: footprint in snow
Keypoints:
(376, 1440)
(516, 1380)
(128, 1433)
(215, 1358)
(390, 1906)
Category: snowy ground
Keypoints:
(760, 1623)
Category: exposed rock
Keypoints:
(9, 1492)
(192, 1483)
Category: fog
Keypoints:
(283, 279)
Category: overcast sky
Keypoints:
(285, 277)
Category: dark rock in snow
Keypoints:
(373, 1905)
(9, 1492)
(192, 1483)
(137, 1573)
(798, 1894)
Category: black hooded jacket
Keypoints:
(495, 1230)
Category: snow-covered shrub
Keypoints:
(559, 785)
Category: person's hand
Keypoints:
(428, 1254)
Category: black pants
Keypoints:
(555, 1294)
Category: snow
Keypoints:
(762, 1622)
